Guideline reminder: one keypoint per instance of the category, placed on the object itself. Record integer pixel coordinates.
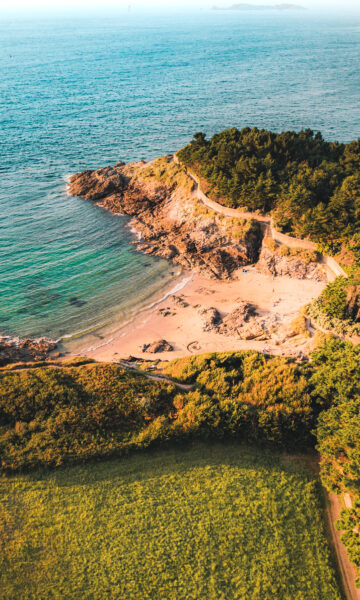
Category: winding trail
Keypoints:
(187, 387)
(333, 268)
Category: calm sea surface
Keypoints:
(78, 94)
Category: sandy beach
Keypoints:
(179, 323)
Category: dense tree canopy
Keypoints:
(312, 187)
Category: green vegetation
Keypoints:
(298, 326)
(219, 522)
(337, 379)
(52, 416)
(333, 299)
(169, 173)
(312, 187)
(331, 310)
(306, 256)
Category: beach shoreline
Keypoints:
(177, 318)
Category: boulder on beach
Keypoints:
(236, 319)
(158, 346)
(210, 318)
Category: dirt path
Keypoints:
(347, 569)
(187, 387)
(331, 266)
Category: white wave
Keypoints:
(137, 233)
(179, 286)
(120, 333)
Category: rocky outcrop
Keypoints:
(171, 222)
(234, 322)
(210, 318)
(254, 330)
(353, 302)
(242, 323)
(15, 350)
(158, 346)
(273, 263)
(179, 301)
(96, 185)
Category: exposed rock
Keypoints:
(235, 321)
(15, 350)
(210, 318)
(179, 301)
(95, 185)
(133, 359)
(253, 330)
(353, 302)
(158, 346)
(169, 220)
(273, 263)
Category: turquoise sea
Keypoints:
(84, 93)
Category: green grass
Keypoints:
(169, 173)
(218, 522)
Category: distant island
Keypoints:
(244, 6)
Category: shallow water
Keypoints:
(79, 94)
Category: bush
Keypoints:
(336, 382)
(298, 326)
(270, 244)
(330, 310)
(51, 416)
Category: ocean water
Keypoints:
(84, 93)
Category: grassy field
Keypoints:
(218, 522)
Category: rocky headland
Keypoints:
(172, 222)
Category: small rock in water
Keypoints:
(75, 301)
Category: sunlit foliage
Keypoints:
(212, 522)
(312, 187)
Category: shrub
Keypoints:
(270, 244)
(51, 416)
(298, 326)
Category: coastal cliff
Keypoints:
(172, 222)
(169, 218)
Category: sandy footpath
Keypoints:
(181, 326)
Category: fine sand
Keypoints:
(279, 298)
